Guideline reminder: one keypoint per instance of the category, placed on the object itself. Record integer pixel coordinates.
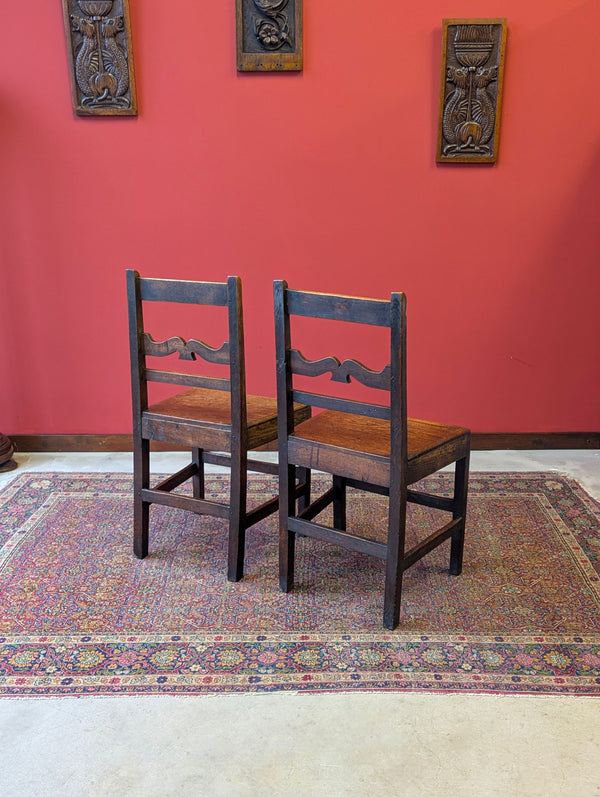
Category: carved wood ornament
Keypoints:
(187, 349)
(6, 451)
(269, 35)
(471, 90)
(340, 371)
(101, 60)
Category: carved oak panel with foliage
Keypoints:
(269, 35)
(471, 90)
(99, 45)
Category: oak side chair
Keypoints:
(213, 416)
(372, 447)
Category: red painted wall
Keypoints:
(326, 178)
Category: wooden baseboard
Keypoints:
(525, 441)
(480, 442)
(81, 442)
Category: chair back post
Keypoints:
(396, 535)
(139, 387)
(285, 424)
(398, 401)
(285, 413)
(237, 364)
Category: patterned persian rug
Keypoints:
(79, 615)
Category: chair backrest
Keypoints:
(391, 379)
(231, 353)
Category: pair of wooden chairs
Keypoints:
(365, 445)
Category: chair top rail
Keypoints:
(340, 371)
(375, 312)
(187, 380)
(187, 350)
(183, 291)
(342, 405)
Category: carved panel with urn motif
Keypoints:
(101, 62)
(471, 90)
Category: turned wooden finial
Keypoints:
(6, 451)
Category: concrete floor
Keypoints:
(306, 745)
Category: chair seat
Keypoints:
(212, 408)
(428, 444)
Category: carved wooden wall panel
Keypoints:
(100, 55)
(269, 35)
(471, 90)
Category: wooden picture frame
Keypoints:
(98, 34)
(472, 73)
(269, 35)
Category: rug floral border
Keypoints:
(305, 662)
(195, 664)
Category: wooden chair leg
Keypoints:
(339, 503)
(237, 516)
(461, 483)
(198, 478)
(141, 509)
(287, 539)
(394, 565)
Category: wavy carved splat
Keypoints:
(187, 350)
(340, 371)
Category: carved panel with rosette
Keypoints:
(101, 61)
(269, 35)
(471, 90)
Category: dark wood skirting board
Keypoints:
(531, 441)
(508, 441)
